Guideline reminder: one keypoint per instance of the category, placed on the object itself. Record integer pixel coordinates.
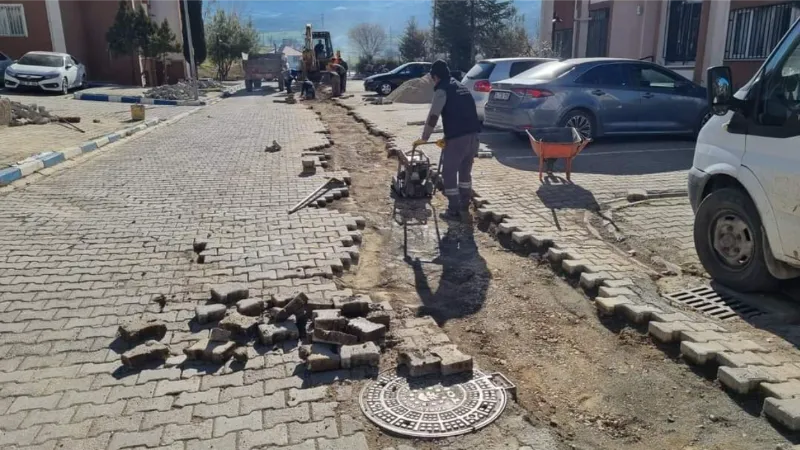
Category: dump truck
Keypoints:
(258, 67)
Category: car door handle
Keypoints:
(598, 92)
(648, 95)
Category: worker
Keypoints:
(338, 74)
(319, 49)
(342, 63)
(455, 104)
(282, 80)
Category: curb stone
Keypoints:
(134, 99)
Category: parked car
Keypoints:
(745, 177)
(48, 71)
(480, 77)
(598, 97)
(385, 83)
(5, 61)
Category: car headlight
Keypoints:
(10, 72)
(51, 75)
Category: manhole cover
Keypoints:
(432, 407)
(712, 303)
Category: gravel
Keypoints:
(180, 91)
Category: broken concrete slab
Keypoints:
(366, 330)
(207, 350)
(142, 329)
(141, 355)
(209, 313)
(328, 319)
(367, 354)
(354, 306)
(272, 333)
(333, 337)
(323, 357)
(251, 306)
(419, 362)
(229, 293)
(453, 361)
(238, 324)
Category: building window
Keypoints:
(597, 42)
(683, 29)
(12, 21)
(562, 43)
(754, 32)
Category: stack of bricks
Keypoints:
(426, 350)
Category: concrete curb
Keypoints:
(135, 99)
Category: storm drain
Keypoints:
(433, 407)
(711, 303)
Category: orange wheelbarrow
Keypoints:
(550, 144)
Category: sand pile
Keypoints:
(418, 90)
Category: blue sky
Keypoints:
(277, 19)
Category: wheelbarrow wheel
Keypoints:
(582, 121)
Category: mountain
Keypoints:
(277, 20)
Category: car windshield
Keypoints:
(402, 68)
(41, 60)
(547, 71)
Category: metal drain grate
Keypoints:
(711, 303)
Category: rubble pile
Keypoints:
(16, 114)
(418, 90)
(209, 84)
(179, 91)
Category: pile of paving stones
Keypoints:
(179, 91)
(16, 114)
(209, 84)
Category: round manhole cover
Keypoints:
(432, 407)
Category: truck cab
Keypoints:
(744, 184)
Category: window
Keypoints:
(754, 32)
(597, 42)
(547, 71)
(480, 71)
(781, 95)
(12, 21)
(605, 75)
(562, 43)
(683, 29)
(650, 77)
(519, 67)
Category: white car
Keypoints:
(54, 72)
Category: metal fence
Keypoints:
(597, 42)
(683, 29)
(753, 32)
(562, 43)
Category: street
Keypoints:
(108, 239)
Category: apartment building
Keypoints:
(78, 27)
(688, 36)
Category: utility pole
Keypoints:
(192, 69)
(472, 33)
(433, 37)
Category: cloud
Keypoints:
(340, 8)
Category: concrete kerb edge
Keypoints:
(134, 99)
(613, 297)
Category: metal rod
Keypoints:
(308, 198)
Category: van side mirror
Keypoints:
(720, 90)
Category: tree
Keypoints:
(369, 37)
(164, 42)
(228, 38)
(122, 36)
(414, 42)
(195, 14)
(468, 27)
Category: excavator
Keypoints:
(317, 52)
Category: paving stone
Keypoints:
(278, 384)
(381, 317)
(219, 335)
(42, 416)
(277, 435)
(701, 352)
(137, 330)
(333, 337)
(322, 410)
(419, 362)
(248, 390)
(636, 313)
(703, 336)
(296, 396)
(784, 411)
(299, 432)
(744, 345)
(193, 430)
(168, 387)
(667, 331)
(251, 307)
(19, 437)
(367, 354)
(216, 352)
(731, 359)
(272, 333)
(24, 403)
(662, 316)
(273, 401)
(298, 413)
(223, 443)
(55, 431)
(608, 292)
(328, 319)
(295, 305)
(10, 422)
(148, 404)
(355, 306)
(229, 408)
(229, 293)
(322, 357)
(193, 398)
(238, 324)
(210, 313)
(365, 330)
(357, 441)
(93, 443)
(787, 389)
(607, 306)
(742, 380)
(144, 354)
(180, 416)
(115, 423)
(224, 425)
(452, 360)
(350, 425)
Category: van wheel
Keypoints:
(728, 239)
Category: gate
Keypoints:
(597, 42)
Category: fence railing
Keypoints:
(753, 32)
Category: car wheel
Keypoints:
(729, 241)
(65, 86)
(582, 121)
(385, 89)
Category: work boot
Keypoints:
(453, 207)
(465, 199)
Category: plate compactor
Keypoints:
(415, 178)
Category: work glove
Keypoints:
(419, 142)
(440, 143)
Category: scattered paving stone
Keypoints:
(333, 337)
(141, 355)
(238, 324)
(209, 313)
(220, 335)
(367, 354)
(355, 306)
(381, 317)
(304, 351)
(322, 358)
(453, 361)
(138, 330)
(175, 361)
(328, 319)
(366, 330)
(251, 307)
(272, 333)
(317, 303)
(16, 114)
(229, 293)
(294, 306)
(636, 195)
(205, 349)
(419, 362)
(240, 354)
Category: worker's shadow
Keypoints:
(463, 277)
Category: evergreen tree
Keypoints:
(467, 27)
(413, 43)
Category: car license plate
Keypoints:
(501, 95)
(28, 83)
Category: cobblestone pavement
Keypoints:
(93, 245)
(19, 143)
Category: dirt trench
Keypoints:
(597, 384)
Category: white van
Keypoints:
(744, 184)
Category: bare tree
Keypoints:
(369, 37)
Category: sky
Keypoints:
(279, 19)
